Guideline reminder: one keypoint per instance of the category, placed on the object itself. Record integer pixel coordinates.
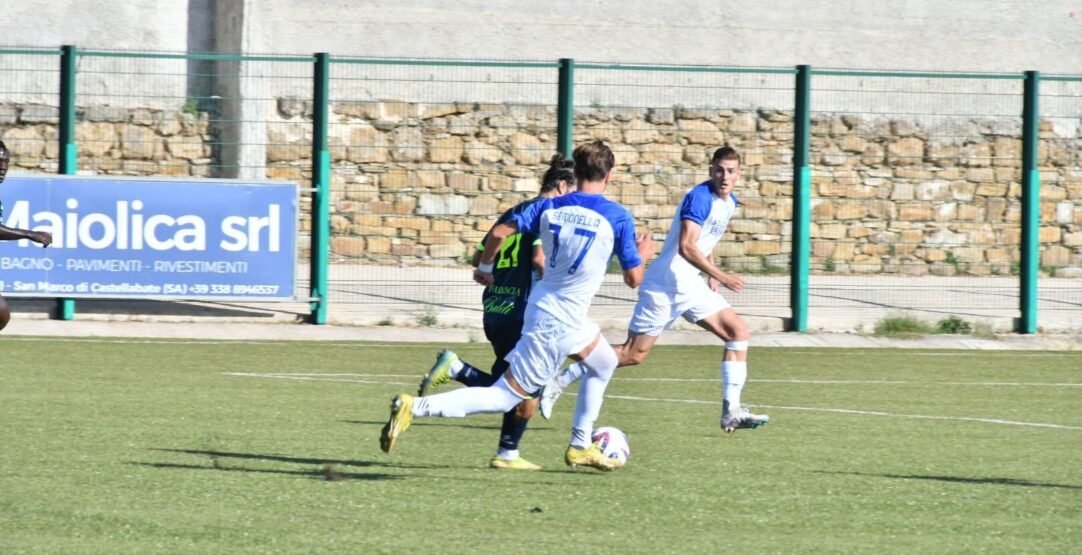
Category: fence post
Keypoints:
(321, 173)
(798, 268)
(1031, 214)
(69, 154)
(565, 109)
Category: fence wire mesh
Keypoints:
(915, 189)
(664, 124)
(30, 109)
(1059, 159)
(916, 178)
(425, 159)
(179, 115)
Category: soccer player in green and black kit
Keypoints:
(44, 238)
(504, 302)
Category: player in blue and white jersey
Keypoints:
(519, 262)
(44, 238)
(579, 233)
(673, 288)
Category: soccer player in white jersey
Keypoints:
(673, 288)
(579, 233)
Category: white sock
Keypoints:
(507, 454)
(468, 400)
(733, 374)
(456, 367)
(599, 368)
(568, 375)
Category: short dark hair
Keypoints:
(560, 169)
(725, 153)
(593, 161)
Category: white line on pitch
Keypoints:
(312, 377)
(862, 382)
(860, 412)
(328, 343)
(920, 382)
(319, 376)
(871, 351)
(824, 351)
(315, 375)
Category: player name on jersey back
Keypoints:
(579, 233)
(584, 220)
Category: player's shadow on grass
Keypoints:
(217, 456)
(324, 473)
(961, 480)
(223, 461)
(535, 424)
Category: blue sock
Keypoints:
(471, 376)
(511, 431)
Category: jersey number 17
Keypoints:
(584, 245)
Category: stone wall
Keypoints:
(421, 183)
(901, 198)
(112, 141)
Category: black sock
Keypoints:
(471, 376)
(511, 431)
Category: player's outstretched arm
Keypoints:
(689, 237)
(44, 238)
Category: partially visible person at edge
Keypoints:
(43, 238)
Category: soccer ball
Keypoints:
(613, 443)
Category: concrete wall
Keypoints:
(971, 35)
(97, 24)
(963, 35)
(931, 35)
(94, 25)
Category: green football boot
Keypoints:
(439, 374)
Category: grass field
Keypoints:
(169, 446)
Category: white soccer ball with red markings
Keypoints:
(613, 443)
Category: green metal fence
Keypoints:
(423, 152)
(914, 179)
(30, 109)
(1058, 161)
(956, 193)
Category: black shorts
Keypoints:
(503, 334)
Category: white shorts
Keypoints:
(657, 310)
(544, 345)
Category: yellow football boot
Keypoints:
(591, 456)
(512, 464)
(401, 417)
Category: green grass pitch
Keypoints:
(133, 446)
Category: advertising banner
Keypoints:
(150, 238)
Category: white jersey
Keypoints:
(579, 233)
(672, 273)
